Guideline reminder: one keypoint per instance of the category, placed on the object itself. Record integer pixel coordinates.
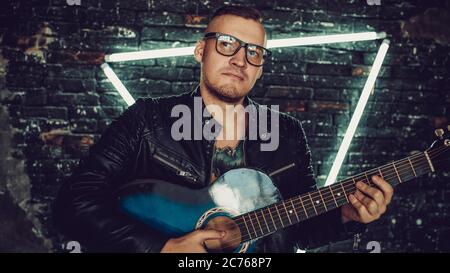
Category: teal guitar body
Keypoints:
(177, 210)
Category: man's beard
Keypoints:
(225, 93)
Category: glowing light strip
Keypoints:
(117, 84)
(150, 54)
(358, 113)
(326, 39)
(277, 43)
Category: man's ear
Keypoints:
(199, 50)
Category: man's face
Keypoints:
(230, 77)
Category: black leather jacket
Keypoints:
(86, 208)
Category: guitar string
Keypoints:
(281, 219)
(284, 216)
(351, 182)
(391, 174)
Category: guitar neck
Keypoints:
(264, 221)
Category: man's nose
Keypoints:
(238, 59)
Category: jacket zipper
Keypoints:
(356, 241)
(211, 163)
(243, 149)
(179, 171)
(282, 169)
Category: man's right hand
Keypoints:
(192, 242)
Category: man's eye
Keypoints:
(226, 44)
(253, 53)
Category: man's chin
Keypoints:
(231, 96)
(226, 92)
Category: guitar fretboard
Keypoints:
(264, 221)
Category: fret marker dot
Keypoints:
(290, 211)
(317, 202)
(339, 194)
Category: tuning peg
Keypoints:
(439, 133)
(448, 128)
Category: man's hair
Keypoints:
(241, 11)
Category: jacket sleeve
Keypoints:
(85, 208)
(325, 228)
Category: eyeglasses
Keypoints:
(228, 45)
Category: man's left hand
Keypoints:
(368, 203)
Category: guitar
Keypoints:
(245, 203)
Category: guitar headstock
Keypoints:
(439, 151)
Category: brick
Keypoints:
(328, 106)
(322, 142)
(196, 20)
(25, 81)
(35, 97)
(146, 86)
(63, 28)
(69, 99)
(134, 5)
(185, 35)
(23, 68)
(150, 44)
(179, 74)
(181, 6)
(50, 166)
(8, 98)
(49, 13)
(326, 94)
(79, 112)
(325, 131)
(183, 87)
(278, 18)
(327, 69)
(151, 33)
(46, 112)
(14, 55)
(76, 57)
(83, 126)
(275, 79)
(159, 18)
(70, 85)
(286, 105)
(273, 91)
(377, 133)
(176, 62)
(386, 94)
(114, 45)
(79, 72)
(285, 67)
(421, 97)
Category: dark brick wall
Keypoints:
(59, 102)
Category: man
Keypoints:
(231, 58)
